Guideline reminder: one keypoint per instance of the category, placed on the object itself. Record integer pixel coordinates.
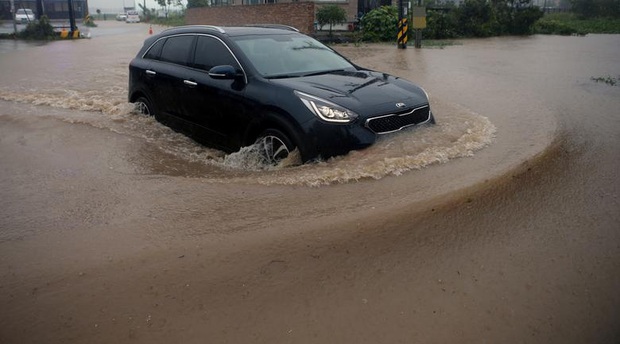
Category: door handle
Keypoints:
(190, 83)
(150, 72)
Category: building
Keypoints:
(53, 9)
(353, 8)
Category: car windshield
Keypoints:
(22, 11)
(282, 56)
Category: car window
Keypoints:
(155, 50)
(176, 49)
(278, 55)
(210, 52)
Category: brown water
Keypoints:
(500, 224)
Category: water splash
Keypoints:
(459, 133)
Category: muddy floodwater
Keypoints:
(500, 224)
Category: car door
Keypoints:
(168, 73)
(217, 106)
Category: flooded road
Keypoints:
(499, 224)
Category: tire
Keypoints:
(143, 107)
(274, 146)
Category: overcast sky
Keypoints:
(116, 5)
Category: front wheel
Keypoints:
(274, 146)
(142, 106)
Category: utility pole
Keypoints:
(418, 32)
(71, 18)
(403, 26)
(419, 23)
(39, 9)
(13, 17)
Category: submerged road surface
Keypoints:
(501, 224)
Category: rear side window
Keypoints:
(176, 49)
(210, 52)
(155, 50)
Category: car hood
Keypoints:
(365, 92)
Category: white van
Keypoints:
(132, 17)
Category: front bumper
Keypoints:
(328, 139)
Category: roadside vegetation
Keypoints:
(40, 30)
(609, 80)
(482, 18)
(473, 18)
(571, 24)
(173, 19)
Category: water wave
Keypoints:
(458, 133)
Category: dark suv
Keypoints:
(229, 87)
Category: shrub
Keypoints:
(380, 24)
(90, 22)
(524, 20)
(474, 19)
(41, 30)
(440, 25)
(570, 24)
(553, 27)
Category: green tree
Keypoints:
(332, 15)
(165, 4)
(146, 12)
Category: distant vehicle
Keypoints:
(24, 15)
(132, 17)
(121, 16)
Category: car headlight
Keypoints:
(326, 110)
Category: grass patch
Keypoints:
(172, 20)
(7, 36)
(570, 24)
(437, 43)
(609, 80)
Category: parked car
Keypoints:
(24, 16)
(230, 87)
(121, 16)
(132, 17)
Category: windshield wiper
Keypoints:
(282, 76)
(297, 75)
(329, 71)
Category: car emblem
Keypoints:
(400, 105)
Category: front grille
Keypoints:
(397, 121)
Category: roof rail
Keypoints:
(274, 26)
(211, 27)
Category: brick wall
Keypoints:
(296, 14)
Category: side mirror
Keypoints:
(223, 72)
